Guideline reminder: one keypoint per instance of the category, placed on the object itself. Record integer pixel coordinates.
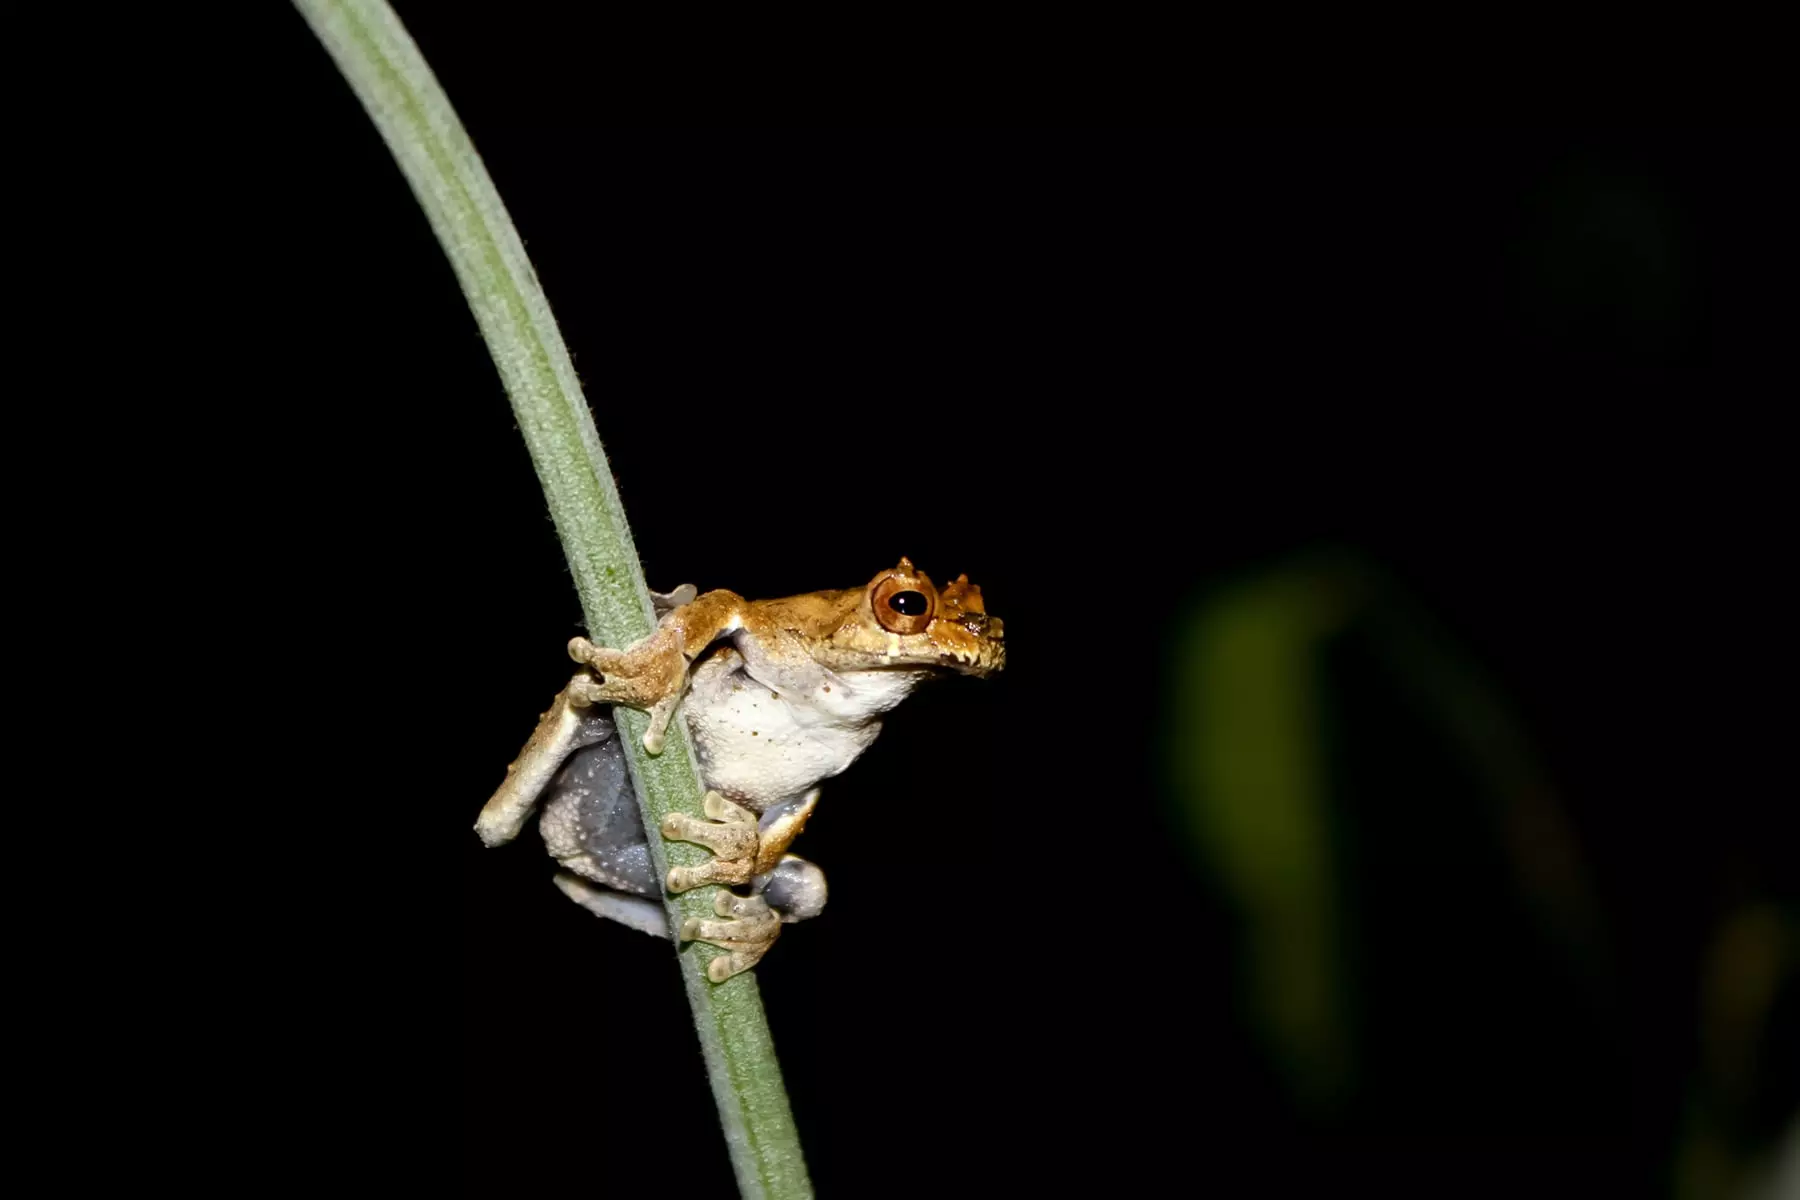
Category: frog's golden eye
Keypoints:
(904, 602)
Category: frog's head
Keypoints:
(903, 620)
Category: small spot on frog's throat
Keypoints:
(753, 733)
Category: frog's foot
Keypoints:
(731, 835)
(795, 889)
(745, 937)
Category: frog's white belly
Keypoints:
(759, 747)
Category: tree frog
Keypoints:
(780, 695)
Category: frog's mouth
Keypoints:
(970, 643)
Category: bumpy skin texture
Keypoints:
(780, 694)
(591, 822)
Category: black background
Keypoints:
(1535, 376)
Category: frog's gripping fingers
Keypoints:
(745, 938)
(651, 676)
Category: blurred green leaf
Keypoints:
(1251, 771)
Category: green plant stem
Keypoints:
(388, 74)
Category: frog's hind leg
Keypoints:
(785, 888)
(645, 916)
(793, 891)
(575, 719)
(591, 823)
(743, 846)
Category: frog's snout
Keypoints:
(988, 652)
(982, 625)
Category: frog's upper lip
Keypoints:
(986, 657)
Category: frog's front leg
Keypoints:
(652, 675)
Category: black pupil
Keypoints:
(908, 604)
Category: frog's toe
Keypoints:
(719, 808)
(586, 692)
(719, 870)
(727, 840)
(588, 654)
(730, 904)
(724, 966)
